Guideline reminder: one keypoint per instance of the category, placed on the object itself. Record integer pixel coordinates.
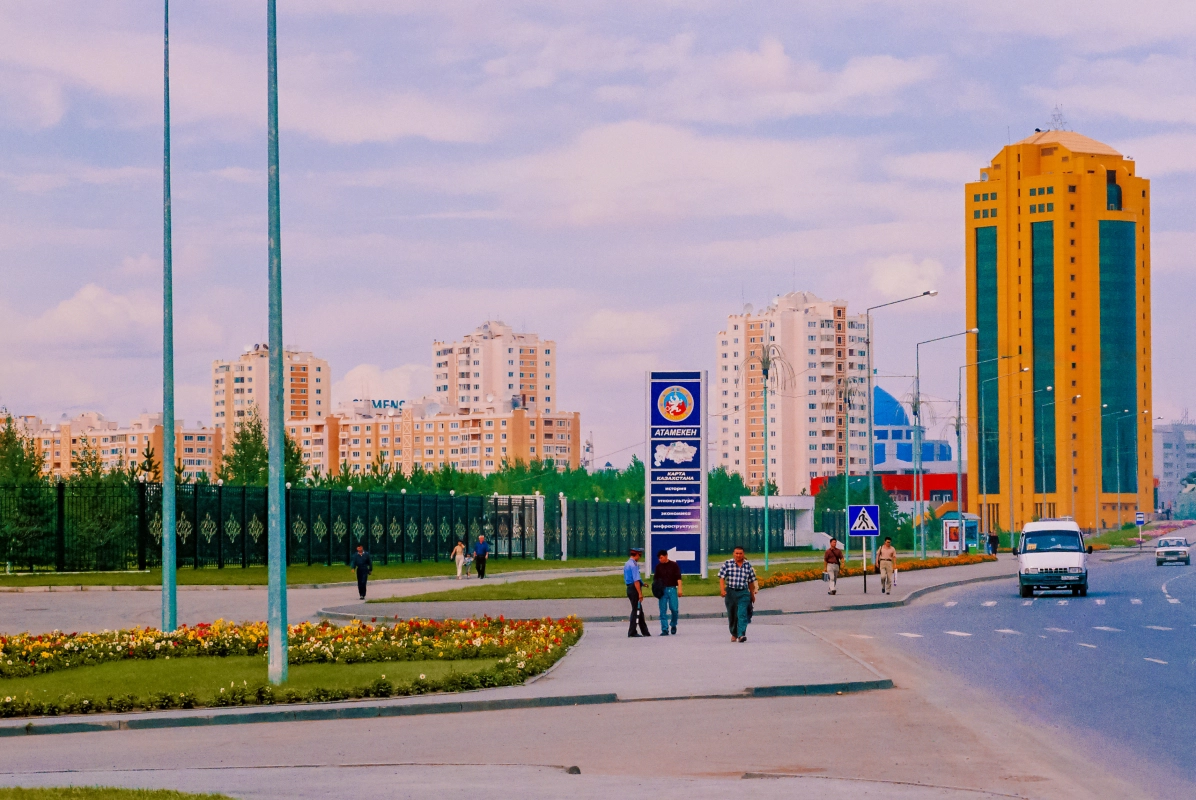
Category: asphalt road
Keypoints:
(1116, 669)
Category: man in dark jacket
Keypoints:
(361, 563)
(667, 579)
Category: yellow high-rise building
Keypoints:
(1058, 284)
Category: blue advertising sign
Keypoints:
(1139, 518)
(865, 521)
(675, 511)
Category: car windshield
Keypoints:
(1173, 543)
(1053, 541)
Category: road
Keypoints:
(1115, 669)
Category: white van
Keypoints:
(1051, 555)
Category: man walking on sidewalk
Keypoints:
(994, 542)
(480, 551)
(668, 578)
(833, 559)
(361, 563)
(886, 557)
(635, 593)
(737, 584)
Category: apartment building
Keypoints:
(817, 398)
(1174, 458)
(1058, 280)
(495, 368)
(197, 449)
(317, 439)
(244, 382)
(420, 435)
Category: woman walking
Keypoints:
(458, 555)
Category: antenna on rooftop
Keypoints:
(1058, 123)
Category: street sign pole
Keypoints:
(169, 562)
(863, 520)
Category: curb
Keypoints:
(916, 593)
(323, 712)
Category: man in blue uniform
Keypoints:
(635, 593)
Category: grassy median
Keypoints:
(101, 793)
(563, 589)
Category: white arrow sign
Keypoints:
(681, 555)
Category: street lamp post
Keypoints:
(276, 534)
(1009, 434)
(959, 449)
(871, 394)
(918, 505)
(1072, 468)
(169, 563)
(983, 436)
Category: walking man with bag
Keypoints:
(737, 584)
(635, 593)
(361, 563)
(886, 558)
(666, 588)
(833, 559)
(480, 551)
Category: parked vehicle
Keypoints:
(1052, 555)
(1172, 549)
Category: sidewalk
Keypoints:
(797, 598)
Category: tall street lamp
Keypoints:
(169, 595)
(1099, 474)
(773, 365)
(871, 410)
(984, 435)
(1009, 437)
(276, 533)
(1042, 451)
(1072, 468)
(918, 429)
(959, 447)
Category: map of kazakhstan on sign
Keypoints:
(677, 452)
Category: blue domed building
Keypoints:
(894, 440)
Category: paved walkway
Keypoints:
(796, 598)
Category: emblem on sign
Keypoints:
(675, 403)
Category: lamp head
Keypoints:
(1050, 388)
(931, 293)
(973, 330)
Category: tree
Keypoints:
(830, 498)
(20, 462)
(725, 488)
(149, 466)
(294, 467)
(247, 462)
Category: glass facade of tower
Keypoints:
(1118, 357)
(1042, 268)
(987, 352)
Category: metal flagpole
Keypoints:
(276, 541)
(764, 368)
(169, 604)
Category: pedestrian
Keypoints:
(994, 542)
(480, 551)
(635, 594)
(737, 584)
(458, 555)
(361, 563)
(667, 581)
(833, 559)
(886, 558)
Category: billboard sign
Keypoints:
(676, 507)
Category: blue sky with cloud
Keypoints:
(617, 176)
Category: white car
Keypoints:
(1051, 555)
(1172, 548)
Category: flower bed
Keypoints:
(27, 654)
(815, 573)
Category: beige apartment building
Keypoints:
(420, 435)
(812, 431)
(495, 368)
(197, 449)
(242, 383)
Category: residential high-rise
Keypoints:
(1058, 281)
(244, 382)
(1174, 458)
(811, 431)
(494, 367)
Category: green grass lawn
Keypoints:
(565, 588)
(102, 793)
(204, 677)
(296, 573)
(1124, 537)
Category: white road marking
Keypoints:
(989, 603)
(1155, 660)
(1172, 600)
(1100, 602)
(1062, 602)
(1081, 644)
(1159, 628)
(957, 633)
(1008, 630)
(1107, 628)
(859, 635)
(911, 635)
(1028, 603)
(949, 604)
(1136, 601)
(1058, 630)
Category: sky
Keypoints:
(617, 176)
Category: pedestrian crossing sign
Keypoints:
(863, 520)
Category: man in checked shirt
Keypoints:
(737, 584)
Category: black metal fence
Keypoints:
(72, 528)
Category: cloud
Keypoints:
(952, 167)
(614, 331)
(1155, 88)
(1160, 155)
(372, 382)
(903, 275)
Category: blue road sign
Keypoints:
(1139, 518)
(676, 473)
(863, 520)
